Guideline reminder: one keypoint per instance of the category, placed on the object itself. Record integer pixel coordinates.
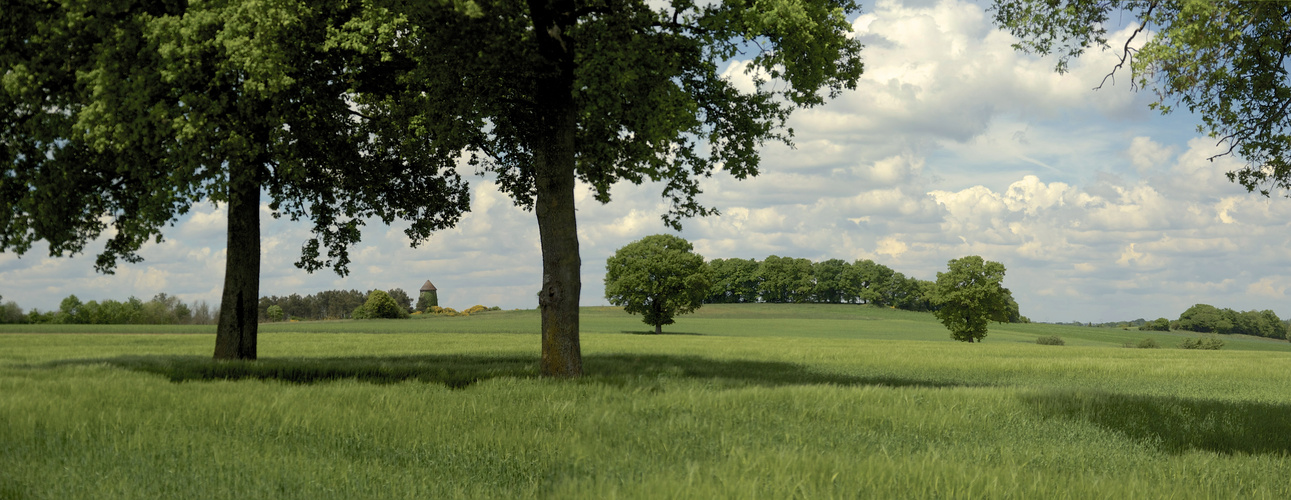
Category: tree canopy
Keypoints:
(657, 277)
(549, 93)
(380, 305)
(1225, 60)
(970, 294)
(734, 280)
(346, 110)
(125, 114)
(1206, 318)
(785, 279)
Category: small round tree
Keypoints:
(657, 277)
(274, 312)
(969, 296)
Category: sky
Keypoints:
(952, 144)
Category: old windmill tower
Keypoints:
(429, 296)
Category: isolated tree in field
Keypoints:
(274, 313)
(657, 277)
(1225, 60)
(550, 93)
(970, 294)
(10, 312)
(127, 113)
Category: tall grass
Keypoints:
(448, 415)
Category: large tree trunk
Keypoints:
(235, 337)
(561, 265)
(553, 155)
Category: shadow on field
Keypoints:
(1177, 424)
(651, 332)
(459, 371)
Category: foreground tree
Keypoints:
(551, 93)
(125, 114)
(1225, 60)
(657, 277)
(970, 295)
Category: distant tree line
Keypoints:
(161, 310)
(1205, 318)
(166, 309)
(794, 280)
(330, 304)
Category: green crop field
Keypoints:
(740, 401)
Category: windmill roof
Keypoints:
(428, 287)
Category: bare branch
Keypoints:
(1126, 51)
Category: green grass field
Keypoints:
(742, 401)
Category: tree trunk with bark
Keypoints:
(658, 313)
(554, 162)
(235, 338)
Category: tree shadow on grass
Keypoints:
(460, 371)
(1176, 424)
(651, 332)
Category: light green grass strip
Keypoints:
(738, 320)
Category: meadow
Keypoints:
(735, 401)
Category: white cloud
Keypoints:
(891, 247)
(1146, 154)
(1270, 286)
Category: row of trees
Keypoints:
(166, 309)
(794, 280)
(329, 304)
(1206, 318)
(833, 281)
(161, 310)
(660, 277)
